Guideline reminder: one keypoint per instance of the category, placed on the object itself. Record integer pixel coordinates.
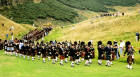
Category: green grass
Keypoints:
(11, 66)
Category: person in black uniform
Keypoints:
(33, 49)
(61, 53)
(66, 49)
(108, 50)
(77, 54)
(92, 53)
(49, 52)
(53, 54)
(101, 51)
(130, 53)
(1, 45)
(72, 55)
(5, 46)
(44, 53)
(38, 48)
(24, 50)
(87, 55)
(28, 50)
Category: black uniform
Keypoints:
(72, 53)
(87, 53)
(44, 52)
(1, 45)
(108, 52)
(33, 49)
(101, 51)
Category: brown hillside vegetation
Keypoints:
(19, 29)
(105, 28)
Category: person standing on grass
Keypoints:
(137, 36)
(1, 45)
(101, 51)
(122, 44)
(108, 50)
(130, 54)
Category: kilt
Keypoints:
(108, 57)
(72, 58)
(129, 59)
(62, 57)
(82, 54)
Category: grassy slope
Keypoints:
(19, 30)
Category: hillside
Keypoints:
(104, 28)
(19, 29)
(60, 11)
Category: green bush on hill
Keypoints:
(28, 12)
(98, 5)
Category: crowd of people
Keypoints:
(74, 52)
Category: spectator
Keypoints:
(122, 44)
(137, 36)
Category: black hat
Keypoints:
(127, 43)
(99, 43)
(89, 43)
(109, 42)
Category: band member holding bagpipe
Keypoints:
(72, 55)
(54, 50)
(87, 55)
(66, 49)
(1, 44)
(77, 54)
(108, 50)
(101, 51)
(61, 53)
(130, 54)
(38, 49)
(82, 47)
(33, 51)
(43, 51)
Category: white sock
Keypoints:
(44, 60)
(79, 60)
(100, 61)
(82, 59)
(61, 61)
(90, 60)
(111, 62)
(56, 58)
(38, 57)
(72, 63)
(5, 52)
(24, 56)
(130, 66)
(16, 54)
(66, 60)
(49, 58)
(86, 62)
(28, 57)
(53, 60)
(33, 58)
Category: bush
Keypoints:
(98, 5)
(28, 12)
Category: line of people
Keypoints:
(67, 51)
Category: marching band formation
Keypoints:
(74, 52)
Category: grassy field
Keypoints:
(11, 66)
